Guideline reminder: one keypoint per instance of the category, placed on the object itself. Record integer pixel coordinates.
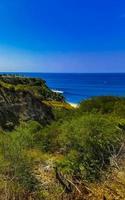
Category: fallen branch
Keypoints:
(66, 185)
(74, 186)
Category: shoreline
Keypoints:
(75, 105)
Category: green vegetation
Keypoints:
(36, 86)
(74, 157)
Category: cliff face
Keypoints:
(21, 100)
(36, 86)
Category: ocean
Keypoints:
(77, 87)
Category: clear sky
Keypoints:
(62, 35)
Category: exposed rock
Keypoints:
(36, 86)
(21, 105)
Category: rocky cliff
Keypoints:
(21, 100)
(36, 86)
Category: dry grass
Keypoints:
(60, 105)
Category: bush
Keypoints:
(88, 142)
(16, 166)
(102, 104)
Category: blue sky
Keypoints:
(62, 35)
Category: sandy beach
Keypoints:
(75, 105)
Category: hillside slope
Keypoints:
(21, 99)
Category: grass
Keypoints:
(59, 105)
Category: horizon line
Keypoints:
(65, 72)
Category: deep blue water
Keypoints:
(77, 87)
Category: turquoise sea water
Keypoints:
(77, 87)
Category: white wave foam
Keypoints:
(58, 91)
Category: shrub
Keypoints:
(94, 139)
(102, 104)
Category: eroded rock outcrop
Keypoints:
(19, 104)
(36, 86)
